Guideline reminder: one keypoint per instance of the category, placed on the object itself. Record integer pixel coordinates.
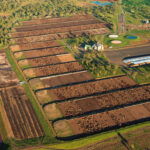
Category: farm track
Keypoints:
(20, 113)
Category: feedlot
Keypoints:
(20, 113)
(73, 101)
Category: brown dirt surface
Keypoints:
(141, 113)
(18, 55)
(68, 34)
(62, 128)
(36, 84)
(30, 46)
(56, 69)
(66, 79)
(29, 73)
(59, 30)
(23, 63)
(66, 58)
(85, 89)
(43, 96)
(57, 25)
(104, 101)
(104, 120)
(20, 113)
(91, 123)
(52, 111)
(41, 61)
(7, 76)
(44, 52)
(56, 20)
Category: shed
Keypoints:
(88, 47)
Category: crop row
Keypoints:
(22, 118)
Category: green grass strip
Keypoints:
(96, 138)
(49, 137)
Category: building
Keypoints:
(98, 46)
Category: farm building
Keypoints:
(97, 46)
(137, 61)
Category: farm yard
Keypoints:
(22, 118)
(74, 102)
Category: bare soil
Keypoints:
(59, 30)
(85, 89)
(104, 120)
(7, 76)
(20, 113)
(66, 79)
(44, 52)
(84, 30)
(56, 20)
(55, 69)
(49, 60)
(105, 101)
(30, 46)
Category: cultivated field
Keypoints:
(20, 113)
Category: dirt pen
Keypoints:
(105, 120)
